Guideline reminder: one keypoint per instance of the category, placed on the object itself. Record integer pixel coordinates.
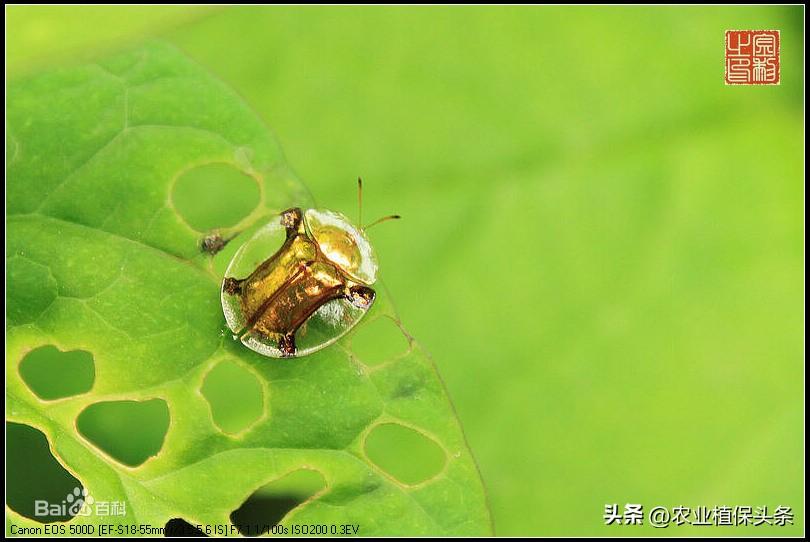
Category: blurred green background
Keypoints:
(602, 244)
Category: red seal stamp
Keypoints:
(752, 57)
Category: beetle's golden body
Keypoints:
(323, 258)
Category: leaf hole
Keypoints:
(180, 527)
(235, 396)
(214, 196)
(129, 431)
(378, 341)
(37, 485)
(406, 455)
(53, 374)
(268, 505)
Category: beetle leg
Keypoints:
(232, 286)
(291, 219)
(286, 343)
(360, 296)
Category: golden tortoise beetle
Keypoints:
(310, 291)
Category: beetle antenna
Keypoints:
(360, 202)
(383, 219)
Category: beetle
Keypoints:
(317, 285)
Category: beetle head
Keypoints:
(343, 244)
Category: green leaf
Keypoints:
(103, 257)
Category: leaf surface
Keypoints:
(101, 259)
